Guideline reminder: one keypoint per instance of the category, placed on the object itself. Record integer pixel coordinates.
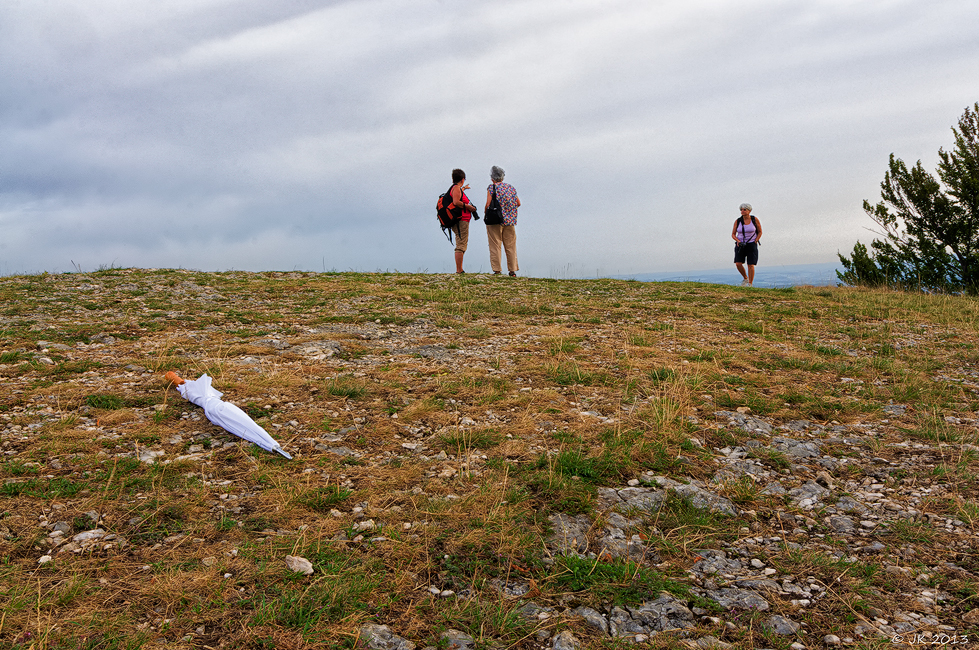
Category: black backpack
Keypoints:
(443, 210)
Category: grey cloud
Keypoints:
(273, 135)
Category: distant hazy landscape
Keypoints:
(817, 275)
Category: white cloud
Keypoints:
(246, 134)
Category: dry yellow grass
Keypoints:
(455, 414)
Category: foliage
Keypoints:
(930, 226)
(615, 581)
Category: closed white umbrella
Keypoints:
(224, 414)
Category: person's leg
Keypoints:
(510, 246)
(739, 262)
(494, 236)
(751, 275)
(462, 242)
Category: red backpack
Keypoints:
(443, 209)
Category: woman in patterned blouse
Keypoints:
(506, 232)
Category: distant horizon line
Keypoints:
(776, 275)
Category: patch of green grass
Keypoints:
(703, 355)
(346, 386)
(661, 375)
(67, 368)
(159, 520)
(344, 583)
(54, 488)
(599, 470)
(612, 582)
(968, 512)
(824, 350)
(569, 373)
(772, 361)
(477, 332)
(226, 523)
(18, 468)
(680, 521)
(933, 428)
(759, 404)
(643, 340)
(912, 532)
(162, 415)
(553, 492)
(257, 412)
(752, 327)
(324, 499)
(488, 622)
(107, 402)
(563, 345)
(473, 559)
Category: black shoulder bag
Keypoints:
(494, 213)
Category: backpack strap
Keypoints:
(754, 223)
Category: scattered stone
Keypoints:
(708, 643)
(299, 565)
(734, 598)
(781, 625)
(457, 640)
(88, 536)
(569, 535)
(565, 640)
(149, 456)
(380, 637)
(664, 613)
(593, 618)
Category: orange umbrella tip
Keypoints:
(172, 377)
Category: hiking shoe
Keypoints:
(513, 274)
(744, 283)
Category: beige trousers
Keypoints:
(507, 236)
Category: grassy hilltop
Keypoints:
(816, 447)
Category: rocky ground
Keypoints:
(485, 462)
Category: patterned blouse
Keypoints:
(506, 194)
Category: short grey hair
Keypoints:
(745, 206)
(496, 174)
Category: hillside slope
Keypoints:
(486, 462)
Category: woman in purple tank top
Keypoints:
(746, 235)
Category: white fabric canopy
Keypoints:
(226, 415)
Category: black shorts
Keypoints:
(746, 253)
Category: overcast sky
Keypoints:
(318, 134)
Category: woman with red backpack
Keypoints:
(462, 208)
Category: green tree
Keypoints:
(930, 228)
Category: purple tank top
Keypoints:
(746, 231)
